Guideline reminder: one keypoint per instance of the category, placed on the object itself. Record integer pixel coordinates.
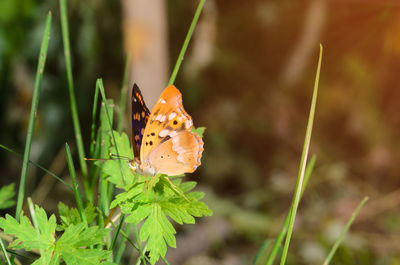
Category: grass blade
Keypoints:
(278, 242)
(122, 244)
(39, 166)
(74, 109)
(103, 94)
(114, 240)
(186, 42)
(32, 117)
(343, 233)
(3, 249)
(75, 184)
(124, 92)
(303, 161)
(93, 126)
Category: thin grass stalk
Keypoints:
(103, 94)
(72, 100)
(278, 242)
(77, 194)
(114, 240)
(3, 249)
(303, 162)
(122, 244)
(124, 92)
(165, 260)
(344, 231)
(186, 42)
(141, 250)
(39, 166)
(126, 236)
(32, 116)
(93, 125)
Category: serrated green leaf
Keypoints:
(112, 168)
(70, 216)
(75, 246)
(141, 212)
(25, 234)
(188, 186)
(129, 195)
(197, 195)
(80, 235)
(73, 256)
(6, 194)
(158, 232)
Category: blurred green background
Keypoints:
(248, 77)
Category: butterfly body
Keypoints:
(163, 139)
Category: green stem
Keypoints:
(73, 105)
(141, 251)
(103, 94)
(3, 248)
(32, 117)
(278, 242)
(114, 240)
(93, 126)
(75, 184)
(303, 162)
(122, 244)
(343, 233)
(186, 42)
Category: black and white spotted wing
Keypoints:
(140, 115)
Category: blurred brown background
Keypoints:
(248, 77)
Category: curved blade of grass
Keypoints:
(72, 100)
(39, 166)
(93, 126)
(278, 242)
(75, 184)
(32, 117)
(343, 233)
(124, 92)
(114, 240)
(303, 162)
(267, 243)
(103, 94)
(186, 42)
(3, 249)
(122, 244)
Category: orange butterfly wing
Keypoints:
(168, 145)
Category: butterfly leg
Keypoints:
(178, 191)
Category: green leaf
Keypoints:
(159, 232)
(124, 149)
(6, 194)
(199, 131)
(70, 216)
(112, 168)
(75, 246)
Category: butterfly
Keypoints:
(163, 141)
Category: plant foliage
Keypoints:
(153, 201)
(75, 246)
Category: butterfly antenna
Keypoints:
(114, 156)
(96, 159)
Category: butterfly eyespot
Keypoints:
(152, 134)
(162, 156)
(175, 122)
(150, 143)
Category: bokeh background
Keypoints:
(248, 77)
